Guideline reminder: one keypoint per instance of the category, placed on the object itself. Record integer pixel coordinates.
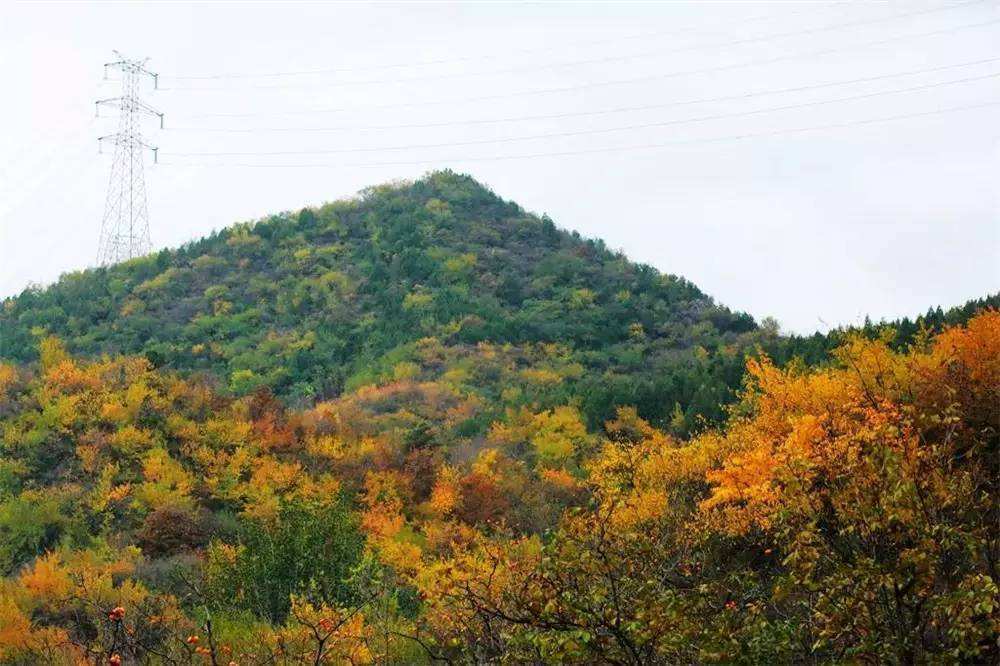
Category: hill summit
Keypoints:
(312, 303)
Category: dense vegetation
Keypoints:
(331, 299)
(842, 514)
(311, 304)
(425, 426)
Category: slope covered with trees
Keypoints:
(424, 426)
(331, 299)
(841, 514)
(328, 299)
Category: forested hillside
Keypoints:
(424, 426)
(313, 303)
(848, 514)
(353, 293)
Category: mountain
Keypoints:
(314, 303)
(325, 300)
(425, 426)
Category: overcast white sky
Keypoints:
(814, 228)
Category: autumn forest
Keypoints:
(426, 426)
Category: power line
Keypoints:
(587, 132)
(613, 149)
(577, 114)
(447, 61)
(614, 82)
(592, 61)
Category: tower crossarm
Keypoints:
(137, 106)
(119, 139)
(134, 66)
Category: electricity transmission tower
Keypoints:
(125, 226)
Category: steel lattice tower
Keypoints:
(125, 226)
